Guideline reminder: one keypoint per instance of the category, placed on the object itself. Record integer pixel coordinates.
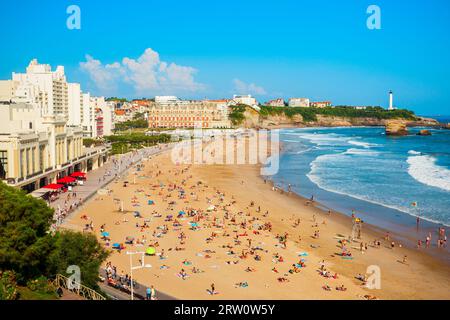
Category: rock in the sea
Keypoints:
(396, 128)
(424, 133)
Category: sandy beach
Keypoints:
(224, 225)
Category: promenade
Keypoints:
(70, 202)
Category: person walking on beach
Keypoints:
(152, 293)
(148, 292)
(213, 289)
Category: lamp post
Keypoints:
(135, 268)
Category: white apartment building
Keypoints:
(75, 105)
(88, 122)
(108, 119)
(245, 99)
(52, 85)
(41, 133)
(298, 102)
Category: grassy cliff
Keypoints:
(242, 115)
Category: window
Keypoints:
(31, 125)
(3, 164)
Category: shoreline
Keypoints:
(344, 222)
(379, 231)
(401, 222)
(401, 229)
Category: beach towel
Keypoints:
(303, 254)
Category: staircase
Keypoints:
(77, 288)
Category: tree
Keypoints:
(24, 241)
(80, 249)
(28, 248)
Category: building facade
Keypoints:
(276, 103)
(320, 104)
(174, 113)
(299, 102)
(41, 132)
(245, 99)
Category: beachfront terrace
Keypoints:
(91, 159)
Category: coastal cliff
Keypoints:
(283, 118)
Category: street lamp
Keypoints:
(135, 268)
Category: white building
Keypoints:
(41, 134)
(52, 86)
(108, 119)
(245, 99)
(298, 102)
(166, 99)
(35, 150)
(276, 103)
(75, 102)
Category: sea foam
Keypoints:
(362, 144)
(425, 170)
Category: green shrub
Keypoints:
(310, 114)
(41, 285)
(8, 286)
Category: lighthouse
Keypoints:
(391, 100)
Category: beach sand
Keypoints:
(217, 245)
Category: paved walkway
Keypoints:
(116, 167)
(68, 203)
(139, 291)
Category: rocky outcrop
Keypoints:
(281, 120)
(422, 121)
(251, 118)
(396, 128)
(424, 133)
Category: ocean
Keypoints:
(362, 169)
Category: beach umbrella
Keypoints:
(150, 251)
(105, 234)
(54, 186)
(210, 208)
(66, 180)
(182, 212)
(116, 245)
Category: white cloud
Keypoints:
(146, 74)
(244, 88)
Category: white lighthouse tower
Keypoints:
(391, 100)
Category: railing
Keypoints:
(77, 288)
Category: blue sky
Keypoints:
(195, 49)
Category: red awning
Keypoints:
(54, 186)
(78, 174)
(66, 180)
